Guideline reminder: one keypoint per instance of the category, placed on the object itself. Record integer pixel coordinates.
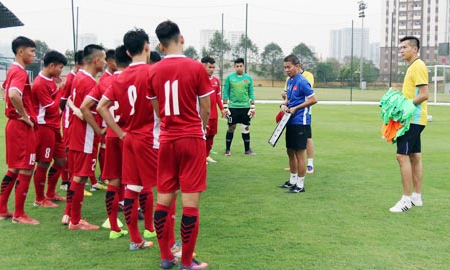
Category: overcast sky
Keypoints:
(285, 22)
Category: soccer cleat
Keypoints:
(87, 193)
(416, 201)
(401, 206)
(107, 225)
(177, 250)
(65, 220)
(6, 215)
(64, 187)
(295, 189)
(213, 152)
(195, 265)
(148, 234)
(114, 235)
(166, 264)
(56, 198)
(97, 186)
(309, 169)
(140, 214)
(227, 153)
(25, 220)
(144, 244)
(83, 225)
(45, 204)
(286, 184)
(250, 153)
(210, 159)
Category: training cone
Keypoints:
(106, 224)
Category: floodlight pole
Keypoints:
(73, 33)
(392, 48)
(245, 43)
(351, 68)
(362, 7)
(221, 55)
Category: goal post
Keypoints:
(440, 78)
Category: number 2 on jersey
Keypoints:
(171, 88)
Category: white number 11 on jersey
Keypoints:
(168, 88)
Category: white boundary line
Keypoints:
(344, 102)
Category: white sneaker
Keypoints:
(64, 187)
(416, 201)
(65, 220)
(209, 159)
(401, 206)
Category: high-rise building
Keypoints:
(427, 20)
(86, 39)
(234, 37)
(205, 37)
(341, 43)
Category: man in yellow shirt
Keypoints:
(409, 157)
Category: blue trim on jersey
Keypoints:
(298, 90)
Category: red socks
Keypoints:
(163, 228)
(146, 204)
(189, 232)
(112, 206)
(39, 177)
(53, 176)
(22, 185)
(130, 209)
(7, 186)
(77, 201)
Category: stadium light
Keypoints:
(362, 7)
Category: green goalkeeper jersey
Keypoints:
(238, 90)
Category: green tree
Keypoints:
(216, 45)
(252, 50)
(370, 71)
(305, 55)
(191, 52)
(325, 72)
(272, 62)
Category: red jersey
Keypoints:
(96, 94)
(105, 74)
(177, 82)
(17, 80)
(67, 113)
(44, 95)
(81, 134)
(216, 98)
(130, 91)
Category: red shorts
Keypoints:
(82, 164)
(139, 161)
(20, 142)
(112, 168)
(212, 127)
(181, 165)
(49, 144)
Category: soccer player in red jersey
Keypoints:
(19, 132)
(179, 90)
(113, 158)
(82, 143)
(139, 133)
(45, 95)
(216, 100)
(65, 118)
(111, 67)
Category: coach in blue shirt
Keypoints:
(300, 96)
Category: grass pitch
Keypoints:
(342, 221)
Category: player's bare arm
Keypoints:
(16, 100)
(422, 96)
(75, 109)
(205, 108)
(103, 110)
(85, 109)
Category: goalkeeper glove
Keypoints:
(251, 113)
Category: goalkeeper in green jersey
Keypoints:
(239, 103)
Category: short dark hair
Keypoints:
(55, 58)
(21, 41)
(135, 40)
(154, 57)
(239, 60)
(121, 57)
(292, 58)
(110, 54)
(79, 57)
(89, 51)
(166, 32)
(413, 40)
(208, 59)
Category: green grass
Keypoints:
(341, 221)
